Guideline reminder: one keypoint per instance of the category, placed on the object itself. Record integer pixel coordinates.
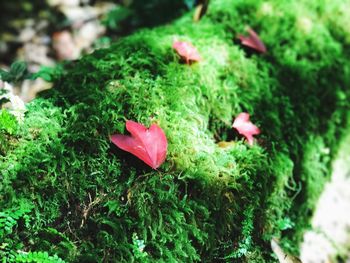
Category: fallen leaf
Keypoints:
(200, 10)
(253, 41)
(186, 51)
(65, 46)
(281, 255)
(224, 144)
(245, 127)
(149, 145)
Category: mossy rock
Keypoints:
(95, 203)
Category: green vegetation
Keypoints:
(138, 13)
(66, 190)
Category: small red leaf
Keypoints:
(245, 127)
(186, 51)
(253, 41)
(149, 145)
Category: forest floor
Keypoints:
(37, 47)
(63, 30)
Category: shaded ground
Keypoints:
(44, 33)
(48, 32)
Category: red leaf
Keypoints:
(186, 51)
(65, 46)
(149, 145)
(253, 41)
(245, 127)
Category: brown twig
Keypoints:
(87, 208)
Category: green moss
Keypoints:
(206, 203)
(8, 127)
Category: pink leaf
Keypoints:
(149, 145)
(64, 45)
(253, 41)
(186, 51)
(245, 127)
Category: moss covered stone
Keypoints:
(90, 202)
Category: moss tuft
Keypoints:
(207, 202)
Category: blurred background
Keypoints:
(42, 34)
